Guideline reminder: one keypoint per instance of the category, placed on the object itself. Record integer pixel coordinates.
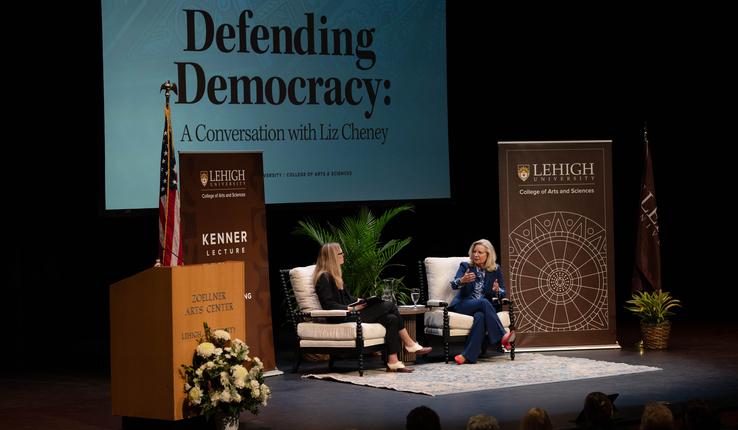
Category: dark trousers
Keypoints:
(385, 313)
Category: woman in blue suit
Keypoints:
(477, 280)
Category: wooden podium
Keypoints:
(156, 318)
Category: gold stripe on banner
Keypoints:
(224, 219)
(557, 242)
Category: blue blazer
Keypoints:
(467, 289)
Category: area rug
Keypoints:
(437, 379)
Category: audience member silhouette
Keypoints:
(697, 416)
(536, 419)
(598, 411)
(482, 422)
(423, 418)
(657, 416)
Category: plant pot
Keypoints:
(655, 336)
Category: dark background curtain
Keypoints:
(512, 75)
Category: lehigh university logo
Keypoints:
(523, 172)
(204, 178)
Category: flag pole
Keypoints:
(167, 87)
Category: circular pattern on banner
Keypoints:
(558, 273)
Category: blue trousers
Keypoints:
(485, 320)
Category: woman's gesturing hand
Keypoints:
(469, 276)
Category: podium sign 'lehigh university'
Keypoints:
(557, 243)
(223, 218)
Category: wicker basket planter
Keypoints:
(655, 336)
(654, 309)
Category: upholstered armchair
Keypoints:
(436, 274)
(315, 334)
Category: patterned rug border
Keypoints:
(438, 379)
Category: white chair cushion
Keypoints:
(438, 331)
(301, 279)
(459, 324)
(455, 320)
(339, 332)
(504, 317)
(458, 321)
(310, 343)
(439, 273)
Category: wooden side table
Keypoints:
(409, 321)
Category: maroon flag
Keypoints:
(170, 243)
(647, 271)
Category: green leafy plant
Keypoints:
(367, 257)
(652, 308)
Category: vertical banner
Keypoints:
(557, 243)
(224, 219)
(647, 270)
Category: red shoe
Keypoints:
(459, 359)
(506, 339)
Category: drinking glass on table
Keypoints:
(415, 296)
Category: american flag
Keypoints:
(170, 237)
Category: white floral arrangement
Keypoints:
(223, 377)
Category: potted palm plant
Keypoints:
(654, 309)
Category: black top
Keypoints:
(329, 295)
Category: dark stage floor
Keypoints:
(702, 362)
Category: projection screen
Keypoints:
(346, 99)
